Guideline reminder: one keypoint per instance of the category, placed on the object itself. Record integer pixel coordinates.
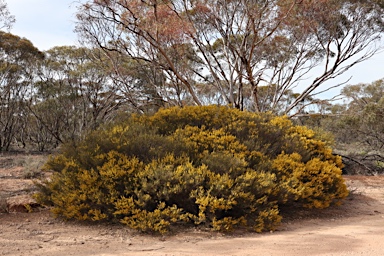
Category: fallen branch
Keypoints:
(359, 163)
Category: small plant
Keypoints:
(32, 166)
(3, 203)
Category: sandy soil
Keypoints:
(355, 228)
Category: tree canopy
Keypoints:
(17, 58)
(143, 56)
(233, 48)
(6, 19)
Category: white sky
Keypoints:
(46, 23)
(49, 23)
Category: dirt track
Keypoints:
(355, 228)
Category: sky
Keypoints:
(50, 23)
(46, 23)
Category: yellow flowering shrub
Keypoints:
(315, 183)
(206, 166)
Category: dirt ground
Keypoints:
(355, 228)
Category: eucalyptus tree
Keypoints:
(364, 115)
(6, 18)
(17, 59)
(357, 126)
(233, 48)
(74, 94)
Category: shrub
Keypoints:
(207, 166)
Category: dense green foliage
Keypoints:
(211, 166)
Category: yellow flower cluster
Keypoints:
(211, 166)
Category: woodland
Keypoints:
(140, 56)
(152, 73)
